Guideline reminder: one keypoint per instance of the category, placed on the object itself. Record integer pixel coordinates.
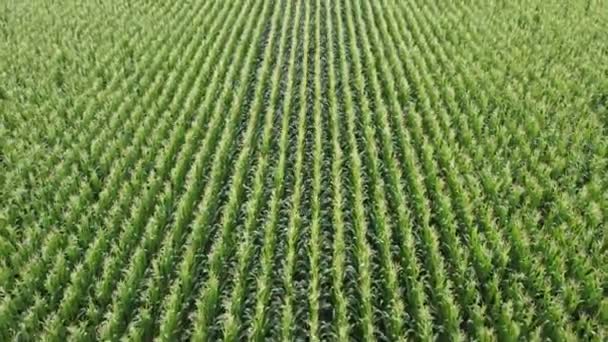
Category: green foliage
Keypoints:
(303, 170)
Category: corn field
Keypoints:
(374, 170)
